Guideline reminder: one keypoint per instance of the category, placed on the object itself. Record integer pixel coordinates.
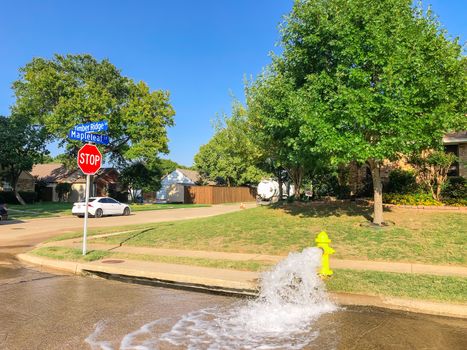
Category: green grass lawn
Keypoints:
(38, 210)
(51, 209)
(441, 288)
(416, 236)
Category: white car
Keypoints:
(100, 206)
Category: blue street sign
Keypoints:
(93, 126)
(88, 137)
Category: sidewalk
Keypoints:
(384, 266)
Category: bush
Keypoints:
(29, 197)
(122, 196)
(9, 197)
(455, 202)
(455, 188)
(410, 199)
(343, 192)
(62, 190)
(401, 182)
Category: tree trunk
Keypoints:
(15, 189)
(279, 181)
(296, 174)
(19, 198)
(378, 192)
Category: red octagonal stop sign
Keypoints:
(89, 159)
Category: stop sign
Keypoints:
(89, 159)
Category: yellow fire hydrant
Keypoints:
(322, 241)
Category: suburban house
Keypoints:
(359, 175)
(104, 183)
(457, 143)
(172, 185)
(25, 183)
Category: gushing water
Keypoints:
(291, 298)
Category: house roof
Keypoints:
(56, 172)
(191, 174)
(51, 172)
(455, 138)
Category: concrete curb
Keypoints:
(223, 281)
(218, 280)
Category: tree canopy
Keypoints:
(363, 81)
(72, 89)
(140, 176)
(231, 156)
(22, 146)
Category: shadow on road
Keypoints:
(10, 222)
(326, 209)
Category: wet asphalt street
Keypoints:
(41, 310)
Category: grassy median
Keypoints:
(417, 286)
(414, 236)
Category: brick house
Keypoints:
(104, 183)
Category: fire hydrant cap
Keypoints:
(322, 238)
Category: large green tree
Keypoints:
(373, 80)
(22, 146)
(167, 166)
(277, 129)
(140, 176)
(72, 89)
(231, 156)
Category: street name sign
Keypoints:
(88, 137)
(99, 126)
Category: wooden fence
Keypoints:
(217, 195)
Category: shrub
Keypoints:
(455, 202)
(9, 197)
(62, 189)
(401, 182)
(410, 199)
(29, 197)
(455, 188)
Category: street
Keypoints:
(20, 236)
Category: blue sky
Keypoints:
(198, 50)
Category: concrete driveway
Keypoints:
(18, 236)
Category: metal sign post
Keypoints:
(89, 158)
(89, 161)
(86, 210)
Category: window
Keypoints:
(111, 200)
(454, 169)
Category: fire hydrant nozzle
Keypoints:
(322, 241)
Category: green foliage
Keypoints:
(72, 89)
(141, 176)
(167, 166)
(62, 190)
(411, 199)
(402, 182)
(22, 146)
(10, 198)
(361, 81)
(455, 188)
(231, 156)
(432, 169)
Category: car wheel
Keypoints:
(126, 211)
(98, 213)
